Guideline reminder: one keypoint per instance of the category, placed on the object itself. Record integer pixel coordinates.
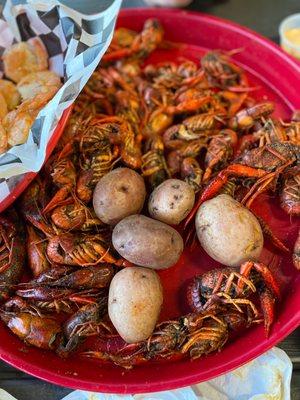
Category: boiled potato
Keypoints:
(118, 194)
(171, 201)
(147, 242)
(228, 231)
(134, 302)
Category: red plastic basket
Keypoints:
(27, 178)
(278, 76)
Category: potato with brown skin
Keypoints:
(171, 201)
(134, 303)
(228, 231)
(147, 242)
(119, 193)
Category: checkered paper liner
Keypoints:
(75, 43)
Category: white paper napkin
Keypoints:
(268, 377)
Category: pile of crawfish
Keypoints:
(190, 120)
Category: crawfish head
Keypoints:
(207, 333)
(167, 338)
(38, 331)
(220, 71)
(203, 287)
(81, 250)
(69, 217)
(32, 202)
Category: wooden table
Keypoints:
(263, 16)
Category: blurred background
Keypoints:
(263, 16)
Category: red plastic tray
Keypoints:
(278, 76)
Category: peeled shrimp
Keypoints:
(3, 139)
(43, 82)
(37, 102)
(10, 93)
(17, 125)
(25, 57)
(3, 106)
(18, 122)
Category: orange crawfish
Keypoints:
(247, 117)
(219, 151)
(142, 44)
(263, 164)
(75, 216)
(64, 276)
(30, 326)
(64, 177)
(79, 250)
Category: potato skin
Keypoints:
(228, 231)
(147, 242)
(171, 201)
(134, 302)
(119, 193)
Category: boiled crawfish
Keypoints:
(194, 334)
(235, 287)
(263, 164)
(12, 252)
(296, 252)
(87, 321)
(79, 250)
(30, 326)
(139, 45)
(62, 288)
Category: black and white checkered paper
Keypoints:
(75, 43)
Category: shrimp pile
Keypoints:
(28, 86)
(195, 121)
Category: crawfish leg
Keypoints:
(268, 232)
(237, 302)
(264, 271)
(267, 302)
(220, 180)
(58, 199)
